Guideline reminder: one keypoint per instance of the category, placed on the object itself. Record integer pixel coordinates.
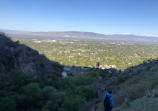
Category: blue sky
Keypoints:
(101, 16)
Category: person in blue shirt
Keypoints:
(108, 101)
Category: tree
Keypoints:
(97, 64)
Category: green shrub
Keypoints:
(120, 79)
(19, 92)
(136, 87)
(31, 94)
(13, 80)
(72, 103)
(9, 102)
(104, 73)
(83, 80)
(88, 93)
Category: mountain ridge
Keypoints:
(77, 32)
(77, 35)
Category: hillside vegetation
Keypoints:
(25, 90)
(136, 89)
(29, 81)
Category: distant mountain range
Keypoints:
(76, 35)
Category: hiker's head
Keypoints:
(110, 91)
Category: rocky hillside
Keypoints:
(135, 85)
(14, 55)
(31, 82)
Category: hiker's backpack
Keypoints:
(107, 102)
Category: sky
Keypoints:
(100, 16)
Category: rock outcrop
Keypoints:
(14, 55)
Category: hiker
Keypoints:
(108, 101)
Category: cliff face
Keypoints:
(14, 55)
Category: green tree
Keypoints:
(31, 96)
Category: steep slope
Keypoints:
(31, 82)
(134, 89)
(141, 104)
(14, 55)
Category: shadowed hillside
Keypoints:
(31, 82)
(14, 55)
(135, 89)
